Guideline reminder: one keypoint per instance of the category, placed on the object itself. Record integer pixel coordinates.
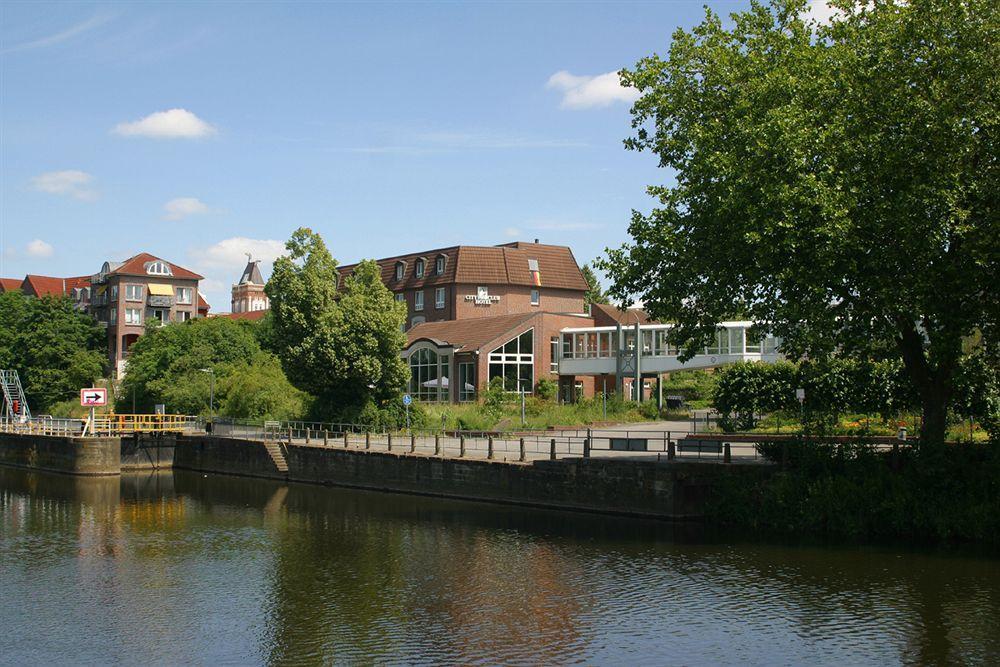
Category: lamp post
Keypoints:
(211, 394)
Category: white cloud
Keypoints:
(512, 232)
(182, 207)
(38, 248)
(587, 92)
(71, 182)
(62, 36)
(231, 253)
(820, 12)
(170, 124)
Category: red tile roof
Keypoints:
(9, 284)
(43, 285)
(202, 304)
(470, 334)
(135, 266)
(485, 265)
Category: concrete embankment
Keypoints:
(76, 456)
(643, 488)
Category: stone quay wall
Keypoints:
(674, 490)
(76, 456)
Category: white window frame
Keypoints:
(132, 287)
(439, 297)
(536, 296)
(401, 297)
(439, 263)
(133, 316)
(418, 268)
(184, 291)
(418, 300)
(400, 270)
(158, 268)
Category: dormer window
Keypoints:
(439, 265)
(158, 268)
(418, 268)
(400, 270)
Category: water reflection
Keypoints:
(191, 568)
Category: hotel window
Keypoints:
(429, 375)
(400, 270)
(133, 292)
(184, 295)
(401, 297)
(418, 300)
(133, 316)
(534, 297)
(114, 292)
(418, 268)
(158, 268)
(439, 265)
(514, 361)
(113, 315)
(554, 361)
(183, 316)
(439, 297)
(467, 381)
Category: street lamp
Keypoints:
(211, 395)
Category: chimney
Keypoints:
(536, 240)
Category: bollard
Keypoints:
(413, 443)
(727, 455)
(326, 438)
(390, 441)
(671, 450)
(586, 448)
(552, 449)
(523, 453)
(346, 440)
(368, 440)
(461, 446)
(489, 448)
(437, 445)
(308, 433)
(289, 435)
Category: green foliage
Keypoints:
(833, 387)
(55, 349)
(595, 293)
(837, 182)
(166, 366)
(852, 491)
(344, 349)
(978, 392)
(495, 397)
(546, 389)
(697, 387)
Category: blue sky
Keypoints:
(200, 131)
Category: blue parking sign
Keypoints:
(407, 399)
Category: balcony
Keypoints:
(158, 301)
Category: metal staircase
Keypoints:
(15, 405)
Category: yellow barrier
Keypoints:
(124, 424)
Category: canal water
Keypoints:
(183, 568)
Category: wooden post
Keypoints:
(368, 440)
(390, 441)
(461, 446)
(437, 445)
(489, 448)
(671, 450)
(727, 455)
(346, 440)
(523, 453)
(308, 433)
(586, 447)
(289, 435)
(413, 443)
(552, 449)
(326, 438)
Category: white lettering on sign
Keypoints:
(94, 397)
(482, 300)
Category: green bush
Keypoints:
(546, 389)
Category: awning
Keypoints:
(100, 290)
(158, 289)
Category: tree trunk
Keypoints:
(934, 417)
(933, 384)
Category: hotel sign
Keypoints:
(482, 297)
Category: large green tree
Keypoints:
(56, 349)
(838, 182)
(342, 347)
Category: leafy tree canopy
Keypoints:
(342, 348)
(838, 182)
(56, 349)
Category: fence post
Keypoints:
(671, 450)
(727, 455)
(326, 438)
(289, 435)
(413, 443)
(489, 448)
(523, 453)
(347, 441)
(308, 434)
(552, 449)
(437, 444)
(461, 446)
(368, 440)
(390, 440)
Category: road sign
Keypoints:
(94, 397)
(407, 399)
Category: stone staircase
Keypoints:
(277, 455)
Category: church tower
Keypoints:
(248, 293)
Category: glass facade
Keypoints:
(514, 361)
(429, 373)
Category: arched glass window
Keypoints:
(158, 268)
(514, 361)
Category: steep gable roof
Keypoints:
(9, 284)
(135, 266)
